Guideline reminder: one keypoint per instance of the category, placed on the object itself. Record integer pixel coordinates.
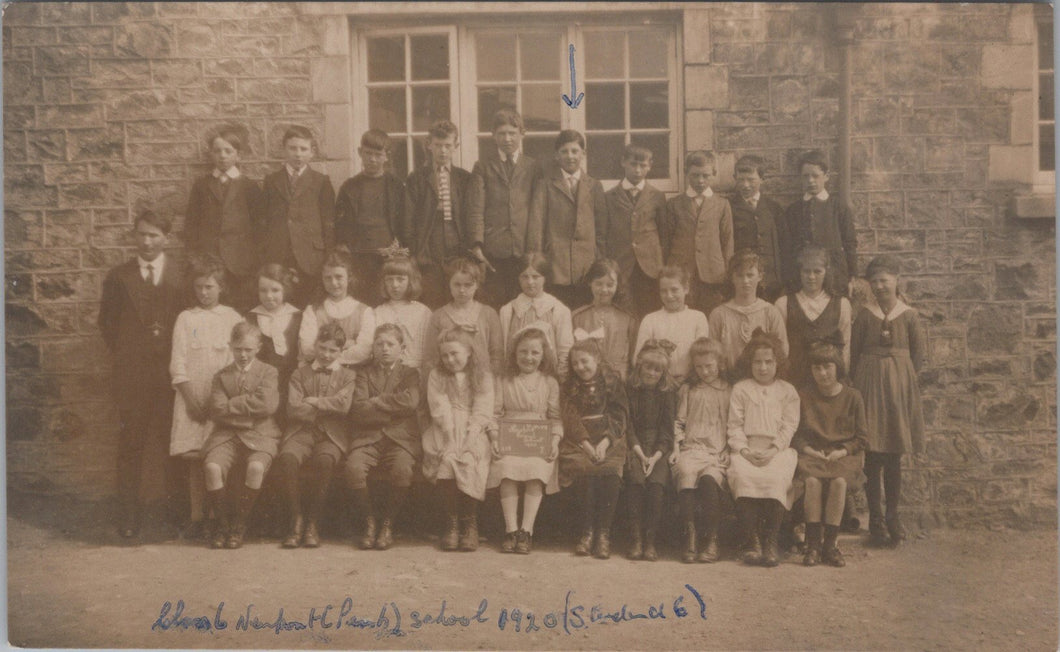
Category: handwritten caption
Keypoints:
(393, 621)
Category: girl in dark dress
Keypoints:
(279, 322)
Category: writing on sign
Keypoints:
(525, 437)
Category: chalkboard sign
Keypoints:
(525, 438)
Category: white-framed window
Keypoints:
(1045, 129)
(628, 72)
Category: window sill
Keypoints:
(1038, 205)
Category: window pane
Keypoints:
(495, 57)
(386, 59)
(1046, 148)
(490, 99)
(386, 109)
(419, 152)
(1045, 96)
(604, 55)
(542, 56)
(429, 104)
(647, 54)
(659, 144)
(648, 105)
(1045, 46)
(541, 107)
(399, 157)
(605, 156)
(605, 106)
(540, 148)
(430, 57)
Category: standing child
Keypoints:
(357, 320)
(224, 213)
(812, 314)
(386, 434)
(613, 328)
(820, 219)
(534, 305)
(464, 312)
(401, 285)
(278, 322)
(887, 345)
(509, 177)
(528, 390)
(831, 437)
(676, 322)
(636, 231)
(568, 214)
(299, 213)
(763, 416)
(243, 400)
(317, 402)
(200, 350)
(141, 300)
(368, 212)
(733, 322)
(701, 450)
(754, 222)
(652, 411)
(593, 450)
(443, 212)
(456, 447)
(700, 228)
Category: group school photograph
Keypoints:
(530, 325)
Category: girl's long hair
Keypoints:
(476, 372)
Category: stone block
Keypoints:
(19, 117)
(697, 41)
(56, 90)
(70, 115)
(337, 35)
(151, 103)
(78, 286)
(699, 130)
(706, 87)
(199, 39)
(929, 121)
(805, 23)
(22, 229)
(886, 212)
(338, 143)
(112, 12)
(778, 25)
(960, 61)
(740, 138)
(33, 389)
(881, 28)
(1007, 66)
(330, 80)
(252, 46)
(739, 30)
(898, 154)
(25, 35)
(21, 86)
(66, 228)
(739, 57)
(1040, 329)
(279, 67)
(18, 287)
(1011, 163)
(749, 93)
(22, 14)
(24, 187)
(213, 90)
(791, 58)
(790, 99)
(1044, 366)
(956, 494)
(23, 423)
(22, 321)
(165, 197)
(943, 153)
(307, 38)
(989, 124)
(274, 90)
(49, 145)
(91, 194)
(150, 40)
(1020, 281)
(101, 259)
(57, 173)
(86, 35)
(876, 116)
(62, 61)
(994, 329)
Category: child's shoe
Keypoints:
(603, 545)
(218, 537)
(294, 535)
(636, 546)
(813, 545)
(311, 538)
(523, 542)
(235, 537)
(508, 545)
(895, 530)
(367, 541)
(469, 538)
(650, 553)
(451, 538)
(385, 538)
(689, 555)
(585, 543)
(708, 551)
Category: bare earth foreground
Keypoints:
(950, 590)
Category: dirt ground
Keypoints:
(947, 589)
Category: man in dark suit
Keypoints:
(299, 214)
(443, 213)
(508, 178)
(140, 303)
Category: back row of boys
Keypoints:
(509, 205)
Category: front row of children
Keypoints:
(760, 440)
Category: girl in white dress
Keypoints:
(763, 417)
(676, 322)
(357, 320)
(200, 350)
(528, 390)
(402, 285)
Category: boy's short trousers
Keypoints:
(385, 454)
(227, 454)
(310, 441)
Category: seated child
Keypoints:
(593, 450)
(652, 410)
(528, 390)
(701, 451)
(613, 328)
(763, 416)
(357, 320)
(675, 323)
(243, 401)
(733, 322)
(401, 286)
(317, 402)
(534, 305)
(456, 447)
(830, 440)
(386, 433)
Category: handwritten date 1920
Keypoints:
(573, 616)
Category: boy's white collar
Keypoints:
(693, 194)
(626, 185)
(823, 195)
(895, 312)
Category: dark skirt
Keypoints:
(660, 473)
(848, 468)
(574, 463)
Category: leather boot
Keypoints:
(708, 547)
(311, 537)
(585, 543)
(216, 501)
(831, 554)
(603, 545)
(636, 547)
(747, 515)
(650, 553)
(367, 541)
(294, 532)
(247, 498)
(878, 531)
(385, 538)
(469, 533)
(771, 535)
(813, 545)
(895, 530)
(395, 498)
(451, 538)
(689, 554)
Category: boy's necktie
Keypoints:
(573, 186)
(444, 195)
(509, 167)
(633, 192)
(149, 274)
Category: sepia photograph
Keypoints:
(530, 325)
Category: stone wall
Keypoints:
(105, 106)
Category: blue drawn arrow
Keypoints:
(573, 85)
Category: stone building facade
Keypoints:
(106, 106)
